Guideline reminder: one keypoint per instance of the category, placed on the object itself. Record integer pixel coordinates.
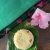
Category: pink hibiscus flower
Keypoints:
(40, 18)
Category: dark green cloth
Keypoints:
(12, 9)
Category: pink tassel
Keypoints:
(19, 21)
(41, 3)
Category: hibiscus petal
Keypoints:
(36, 13)
(40, 18)
(44, 18)
(44, 26)
(43, 22)
(34, 22)
(48, 15)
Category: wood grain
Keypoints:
(44, 35)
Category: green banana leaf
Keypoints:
(10, 43)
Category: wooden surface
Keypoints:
(3, 43)
(44, 36)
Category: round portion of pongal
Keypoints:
(23, 39)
